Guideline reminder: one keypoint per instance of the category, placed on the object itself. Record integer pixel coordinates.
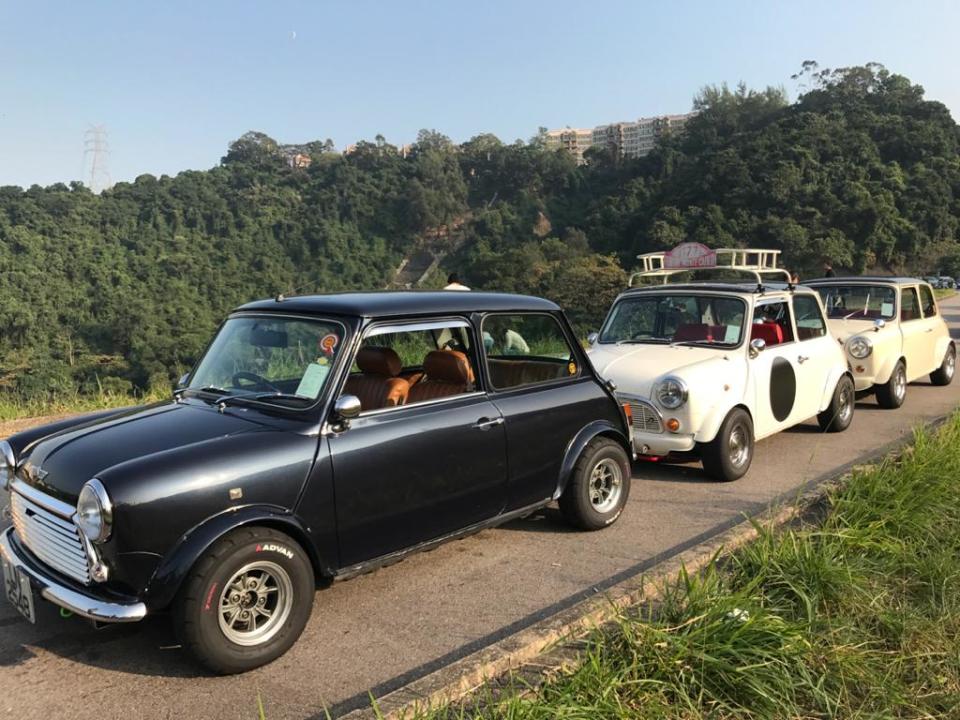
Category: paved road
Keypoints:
(379, 630)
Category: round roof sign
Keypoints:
(690, 255)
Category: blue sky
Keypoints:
(175, 81)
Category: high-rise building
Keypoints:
(627, 139)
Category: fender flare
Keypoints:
(885, 371)
(176, 564)
(575, 447)
(711, 423)
(941, 348)
(831, 385)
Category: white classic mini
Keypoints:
(892, 331)
(711, 367)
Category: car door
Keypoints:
(932, 328)
(537, 381)
(417, 471)
(913, 330)
(816, 354)
(773, 372)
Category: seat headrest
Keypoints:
(449, 366)
(379, 361)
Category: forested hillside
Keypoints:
(122, 290)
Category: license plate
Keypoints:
(16, 586)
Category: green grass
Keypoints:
(13, 407)
(942, 293)
(857, 616)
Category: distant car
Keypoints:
(932, 281)
(892, 332)
(946, 283)
(317, 438)
(712, 367)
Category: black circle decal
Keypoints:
(783, 388)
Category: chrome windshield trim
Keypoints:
(57, 507)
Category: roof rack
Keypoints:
(694, 256)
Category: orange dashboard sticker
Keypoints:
(328, 343)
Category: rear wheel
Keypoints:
(943, 375)
(892, 393)
(246, 601)
(839, 413)
(599, 487)
(728, 456)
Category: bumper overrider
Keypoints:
(79, 602)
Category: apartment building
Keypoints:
(628, 139)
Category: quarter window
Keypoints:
(810, 322)
(929, 306)
(526, 350)
(909, 305)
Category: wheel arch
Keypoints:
(595, 429)
(711, 425)
(176, 564)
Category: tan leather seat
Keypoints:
(377, 385)
(448, 372)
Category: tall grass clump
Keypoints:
(855, 616)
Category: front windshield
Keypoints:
(286, 361)
(859, 302)
(688, 318)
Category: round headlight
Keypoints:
(8, 461)
(94, 511)
(672, 393)
(859, 347)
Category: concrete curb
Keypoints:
(551, 645)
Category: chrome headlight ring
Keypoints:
(8, 463)
(671, 393)
(859, 347)
(94, 511)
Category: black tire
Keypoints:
(839, 413)
(893, 392)
(197, 608)
(943, 375)
(728, 456)
(599, 486)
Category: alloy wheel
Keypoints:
(256, 603)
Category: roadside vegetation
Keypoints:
(856, 616)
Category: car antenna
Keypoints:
(280, 297)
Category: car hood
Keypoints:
(634, 368)
(61, 463)
(843, 330)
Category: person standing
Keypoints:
(828, 269)
(453, 282)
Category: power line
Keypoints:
(96, 147)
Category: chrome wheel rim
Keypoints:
(606, 485)
(900, 382)
(256, 603)
(951, 362)
(739, 446)
(845, 402)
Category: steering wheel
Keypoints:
(257, 381)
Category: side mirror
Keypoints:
(879, 324)
(182, 382)
(592, 338)
(757, 346)
(346, 408)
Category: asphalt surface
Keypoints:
(377, 632)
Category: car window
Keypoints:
(858, 301)
(909, 305)
(929, 305)
(526, 349)
(400, 365)
(809, 319)
(771, 323)
(667, 318)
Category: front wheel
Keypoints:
(246, 601)
(892, 393)
(728, 456)
(839, 413)
(943, 375)
(599, 487)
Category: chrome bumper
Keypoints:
(662, 443)
(79, 603)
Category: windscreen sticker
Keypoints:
(312, 380)
(886, 308)
(328, 343)
(732, 334)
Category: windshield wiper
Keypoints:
(639, 341)
(221, 403)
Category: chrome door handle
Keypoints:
(802, 359)
(484, 423)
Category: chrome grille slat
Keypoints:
(645, 416)
(53, 539)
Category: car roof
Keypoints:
(390, 303)
(872, 279)
(742, 288)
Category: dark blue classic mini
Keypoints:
(318, 437)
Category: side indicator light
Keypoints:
(673, 424)
(628, 412)
(860, 368)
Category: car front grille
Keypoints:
(53, 539)
(645, 416)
